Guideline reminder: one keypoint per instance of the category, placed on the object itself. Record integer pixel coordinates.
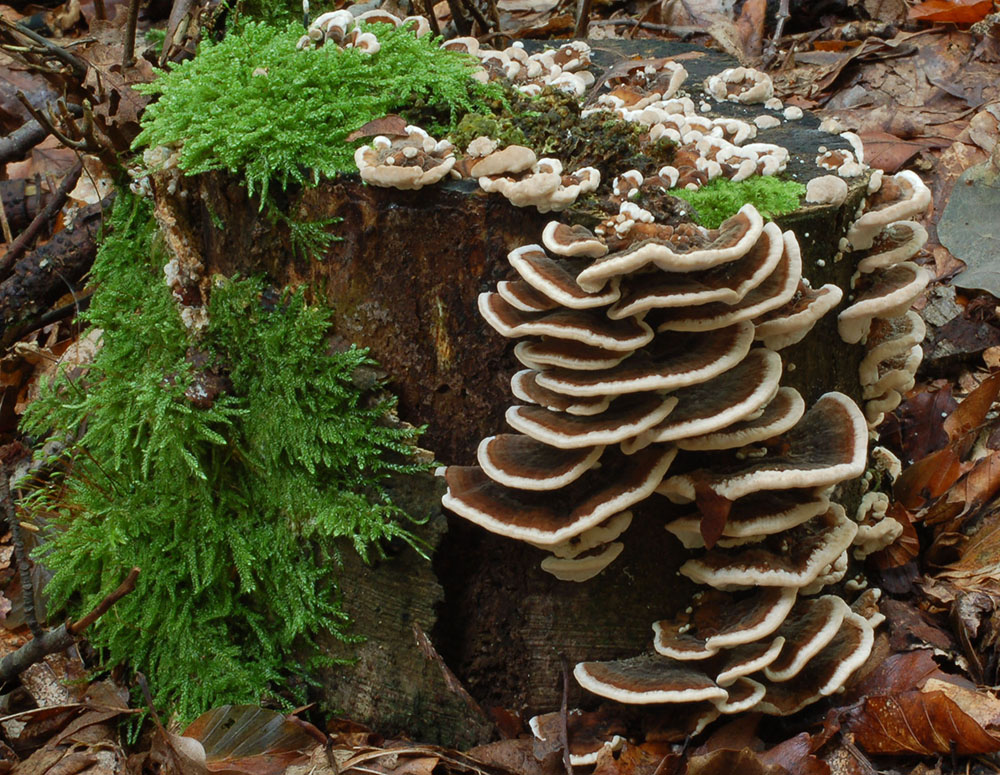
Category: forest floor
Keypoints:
(919, 83)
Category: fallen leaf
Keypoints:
(972, 411)
(795, 755)
(725, 762)
(391, 126)
(918, 722)
(837, 45)
(954, 11)
(750, 25)
(251, 740)
(889, 153)
(968, 227)
(928, 478)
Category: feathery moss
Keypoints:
(255, 105)
(225, 468)
(722, 198)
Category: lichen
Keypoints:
(722, 198)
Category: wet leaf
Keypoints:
(955, 11)
(796, 757)
(928, 478)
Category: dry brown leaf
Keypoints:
(889, 153)
(980, 558)
(250, 740)
(972, 411)
(391, 126)
(918, 722)
(954, 11)
(750, 26)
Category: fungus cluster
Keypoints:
(341, 28)
(563, 69)
(409, 161)
(652, 371)
(882, 240)
(640, 346)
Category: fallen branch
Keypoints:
(63, 636)
(42, 276)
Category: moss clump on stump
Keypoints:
(225, 468)
(722, 198)
(255, 105)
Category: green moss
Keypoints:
(256, 106)
(231, 506)
(722, 198)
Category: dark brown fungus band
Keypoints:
(727, 283)
(667, 363)
(780, 415)
(722, 620)
(647, 679)
(555, 516)
(566, 354)
(828, 445)
(728, 398)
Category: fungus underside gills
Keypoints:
(233, 511)
(254, 105)
(721, 198)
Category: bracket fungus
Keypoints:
(654, 352)
(410, 161)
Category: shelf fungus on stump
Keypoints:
(651, 343)
(882, 242)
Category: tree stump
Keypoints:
(403, 281)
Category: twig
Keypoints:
(54, 205)
(432, 19)
(775, 42)
(582, 18)
(49, 124)
(123, 589)
(128, 53)
(472, 8)
(99, 10)
(462, 25)
(18, 143)
(633, 23)
(23, 565)
(8, 237)
(63, 636)
(75, 64)
(564, 717)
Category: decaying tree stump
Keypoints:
(403, 281)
